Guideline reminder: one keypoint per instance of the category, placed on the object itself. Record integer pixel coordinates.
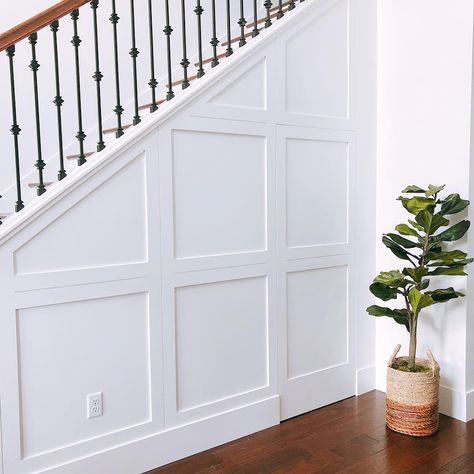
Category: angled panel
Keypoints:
(108, 227)
(247, 91)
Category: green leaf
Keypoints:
(416, 225)
(455, 271)
(445, 294)
(393, 278)
(383, 292)
(425, 284)
(405, 229)
(395, 248)
(418, 300)
(445, 256)
(399, 315)
(454, 232)
(416, 273)
(417, 204)
(453, 204)
(406, 243)
(432, 190)
(412, 188)
(453, 263)
(431, 222)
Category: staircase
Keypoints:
(240, 27)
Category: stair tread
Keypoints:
(75, 157)
(237, 38)
(209, 60)
(146, 106)
(180, 81)
(114, 129)
(36, 184)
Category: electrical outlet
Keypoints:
(94, 405)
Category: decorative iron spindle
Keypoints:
(34, 66)
(242, 22)
(214, 40)
(167, 31)
(229, 49)
(134, 53)
(58, 100)
(81, 136)
(15, 130)
(185, 61)
(280, 13)
(199, 11)
(97, 76)
(114, 18)
(268, 6)
(255, 31)
(292, 5)
(153, 82)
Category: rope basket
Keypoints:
(412, 400)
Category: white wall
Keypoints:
(198, 276)
(424, 107)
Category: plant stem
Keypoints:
(412, 350)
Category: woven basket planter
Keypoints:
(412, 400)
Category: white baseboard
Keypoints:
(470, 405)
(365, 380)
(168, 446)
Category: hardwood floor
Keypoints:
(349, 436)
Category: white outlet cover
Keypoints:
(94, 404)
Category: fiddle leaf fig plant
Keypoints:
(421, 244)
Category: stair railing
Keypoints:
(234, 18)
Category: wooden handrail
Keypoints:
(35, 23)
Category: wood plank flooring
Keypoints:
(349, 436)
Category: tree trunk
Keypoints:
(412, 351)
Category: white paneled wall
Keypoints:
(208, 279)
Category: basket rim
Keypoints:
(420, 361)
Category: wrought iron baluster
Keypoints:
(167, 31)
(114, 18)
(153, 82)
(242, 22)
(97, 76)
(255, 30)
(199, 11)
(292, 5)
(34, 66)
(134, 53)
(15, 130)
(280, 13)
(81, 136)
(229, 49)
(58, 100)
(268, 6)
(185, 60)
(214, 40)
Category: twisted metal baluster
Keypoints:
(185, 62)
(97, 76)
(167, 31)
(114, 18)
(268, 6)
(242, 22)
(280, 13)
(34, 66)
(255, 30)
(153, 82)
(229, 49)
(214, 40)
(76, 42)
(134, 53)
(15, 130)
(199, 11)
(58, 100)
